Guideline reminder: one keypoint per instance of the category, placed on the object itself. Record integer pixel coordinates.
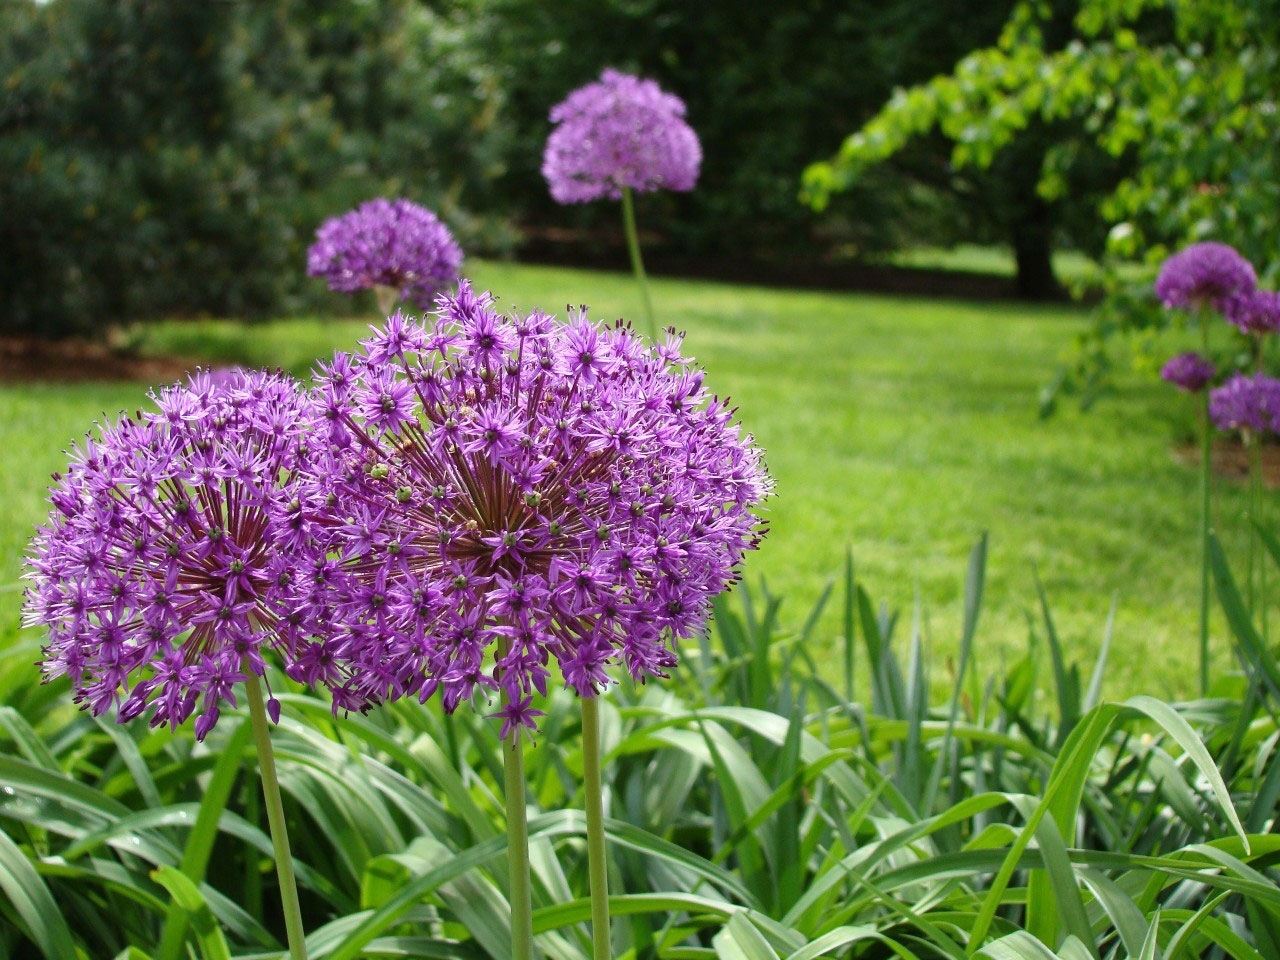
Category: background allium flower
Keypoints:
(1204, 274)
(390, 243)
(540, 489)
(164, 570)
(1246, 403)
(1188, 371)
(1256, 312)
(620, 131)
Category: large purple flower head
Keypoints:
(387, 243)
(1189, 371)
(1256, 312)
(508, 491)
(1249, 403)
(1204, 274)
(620, 131)
(164, 570)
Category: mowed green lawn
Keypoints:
(900, 427)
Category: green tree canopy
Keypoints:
(1180, 94)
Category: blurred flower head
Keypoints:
(1189, 371)
(1249, 403)
(621, 131)
(389, 243)
(1255, 312)
(1204, 274)
(164, 571)
(505, 493)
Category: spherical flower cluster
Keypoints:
(507, 491)
(1249, 403)
(389, 243)
(1256, 312)
(1189, 371)
(164, 571)
(1204, 274)
(620, 131)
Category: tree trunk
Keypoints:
(1033, 255)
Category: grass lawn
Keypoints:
(901, 427)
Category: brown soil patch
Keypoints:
(1230, 459)
(27, 359)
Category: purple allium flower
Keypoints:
(1255, 312)
(620, 131)
(389, 243)
(525, 489)
(164, 571)
(1246, 403)
(1204, 274)
(1188, 371)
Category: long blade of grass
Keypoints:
(33, 903)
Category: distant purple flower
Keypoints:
(1204, 274)
(390, 243)
(620, 131)
(1255, 312)
(164, 572)
(549, 490)
(1188, 371)
(1246, 403)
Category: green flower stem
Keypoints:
(1255, 507)
(386, 297)
(520, 895)
(1206, 467)
(637, 265)
(597, 865)
(275, 818)
(1253, 449)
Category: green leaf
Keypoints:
(34, 904)
(188, 898)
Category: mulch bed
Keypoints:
(1230, 460)
(28, 359)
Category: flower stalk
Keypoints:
(1206, 467)
(597, 864)
(386, 298)
(275, 819)
(519, 893)
(637, 264)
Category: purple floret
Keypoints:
(1244, 402)
(163, 574)
(505, 492)
(620, 131)
(1188, 371)
(389, 243)
(1204, 274)
(1256, 312)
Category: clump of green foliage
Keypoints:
(756, 811)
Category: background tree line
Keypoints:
(160, 158)
(164, 158)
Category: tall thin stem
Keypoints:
(386, 298)
(275, 819)
(1253, 448)
(1255, 507)
(520, 894)
(597, 865)
(637, 265)
(1206, 467)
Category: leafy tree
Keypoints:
(1162, 116)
